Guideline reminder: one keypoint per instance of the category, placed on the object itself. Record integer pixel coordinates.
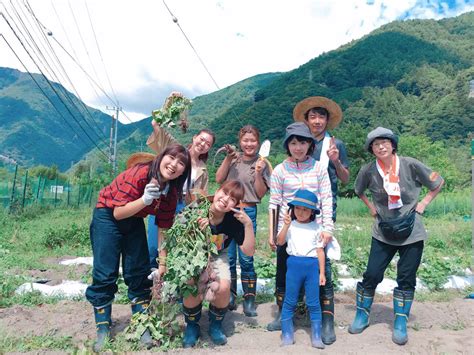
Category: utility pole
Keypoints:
(113, 137)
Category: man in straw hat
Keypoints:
(322, 114)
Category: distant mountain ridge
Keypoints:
(412, 76)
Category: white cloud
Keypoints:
(146, 55)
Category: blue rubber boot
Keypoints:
(192, 331)
(402, 301)
(287, 332)
(103, 322)
(316, 340)
(364, 302)
(216, 316)
(249, 286)
(141, 306)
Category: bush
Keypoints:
(73, 236)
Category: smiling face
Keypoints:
(382, 148)
(202, 142)
(302, 214)
(223, 201)
(317, 123)
(171, 167)
(298, 150)
(249, 144)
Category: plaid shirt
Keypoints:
(129, 186)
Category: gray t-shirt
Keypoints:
(331, 168)
(244, 171)
(413, 176)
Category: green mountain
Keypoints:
(34, 130)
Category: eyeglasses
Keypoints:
(383, 143)
(205, 142)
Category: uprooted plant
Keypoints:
(189, 272)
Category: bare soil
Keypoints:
(433, 328)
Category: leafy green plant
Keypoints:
(74, 235)
(264, 268)
(175, 107)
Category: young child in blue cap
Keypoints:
(305, 264)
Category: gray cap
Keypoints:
(297, 129)
(380, 132)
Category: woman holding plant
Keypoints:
(227, 224)
(117, 231)
(198, 151)
(395, 184)
(254, 174)
(298, 171)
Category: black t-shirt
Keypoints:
(230, 228)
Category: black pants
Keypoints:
(380, 256)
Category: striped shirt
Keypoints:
(129, 186)
(288, 177)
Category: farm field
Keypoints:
(32, 244)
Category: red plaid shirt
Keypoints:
(129, 186)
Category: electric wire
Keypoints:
(51, 86)
(45, 94)
(63, 71)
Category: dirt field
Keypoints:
(434, 328)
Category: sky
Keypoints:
(132, 54)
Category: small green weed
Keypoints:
(74, 236)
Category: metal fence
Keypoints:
(18, 189)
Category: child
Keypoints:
(305, 262)
(117, 232)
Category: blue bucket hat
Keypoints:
(306, 199)
(296, 129)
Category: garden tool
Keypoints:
(402, 301)
(192, 331)
(364, 301)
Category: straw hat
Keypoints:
(335, 112)
(139, 158)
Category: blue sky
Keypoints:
(146, 56)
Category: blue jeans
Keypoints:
(112, 240)
(153, 236)
(246, 262)
(302, 271)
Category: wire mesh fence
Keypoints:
(19, 189)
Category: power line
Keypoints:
(68, 79)
(44, 93)
(50, 85)
(53, 74)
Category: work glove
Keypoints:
(152, 192)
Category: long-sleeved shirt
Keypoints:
(288, 177)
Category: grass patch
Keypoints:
(36, 342)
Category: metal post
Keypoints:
(24, 190)
(90, 195)
(79, 196)
(67, 203)
(472, 199)
(13, 189)
(56, 190)
(38, 189)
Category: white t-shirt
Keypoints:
(303, 239)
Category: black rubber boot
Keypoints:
(141, 306)
(233, 292)
(192, 331)
(216, 316)
(275, 325)
(103, 322)
(327, 308)
(249, 286)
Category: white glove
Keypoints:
(152, 192)
(154, 271)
